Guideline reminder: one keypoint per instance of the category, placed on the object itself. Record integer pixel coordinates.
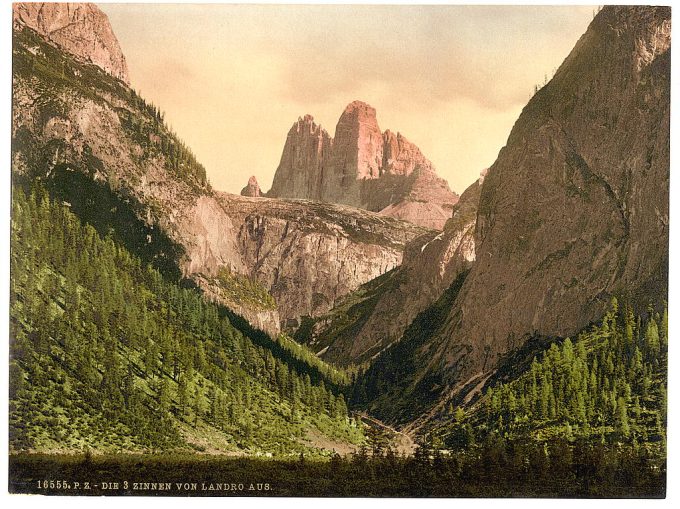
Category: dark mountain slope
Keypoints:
(574, 210)
(106, 354)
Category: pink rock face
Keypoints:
(574, 210)
(358, 142)
(362, 167)
(305, 154)
(252, 189)
(80, 29)
(356, 156)
(400, 156)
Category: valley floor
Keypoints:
(588, 472)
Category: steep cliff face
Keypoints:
(362, 167)
(425, 198)
(84, 121)
(592, 150)
(82, 30)
(309, 255)
(305, 154)
(574, 210)
(376, 315)
(356, 156)
(400, 156)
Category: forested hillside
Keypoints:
(107, 354)
(608, 386)
(146, 307)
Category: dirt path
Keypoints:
(402, 442)
(314, 438)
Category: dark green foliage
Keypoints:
(607, 387)
(107, 354)
(497, 469)
(111, 215)
(390, 380)
(297, 356)
(239, 288)
(585, 418)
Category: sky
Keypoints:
(232, 79)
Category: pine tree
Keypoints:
(622, 417)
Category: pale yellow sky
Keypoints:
(232, 79)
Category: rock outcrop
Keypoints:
(309, 255)
(252, 190)
(376, 315)
(573, 211)
(80, 29)
(362, 167)
(305, 154)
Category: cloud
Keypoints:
(489, 55)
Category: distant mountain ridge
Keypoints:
(362, 167)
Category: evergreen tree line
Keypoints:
(145, 123)
(105, 351)
(587, 419)
(609, 385)
(493, 469)
(498, 467)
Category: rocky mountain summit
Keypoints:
(573, 212)
(362, 167)
(80, 29)
(252, 190)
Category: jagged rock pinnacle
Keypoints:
(362, 167)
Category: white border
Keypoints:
(299, 503)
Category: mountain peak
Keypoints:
(360, 106)
(307, 125)
(362, 167)
(80, 29)
(252, 189)
(355, 114)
